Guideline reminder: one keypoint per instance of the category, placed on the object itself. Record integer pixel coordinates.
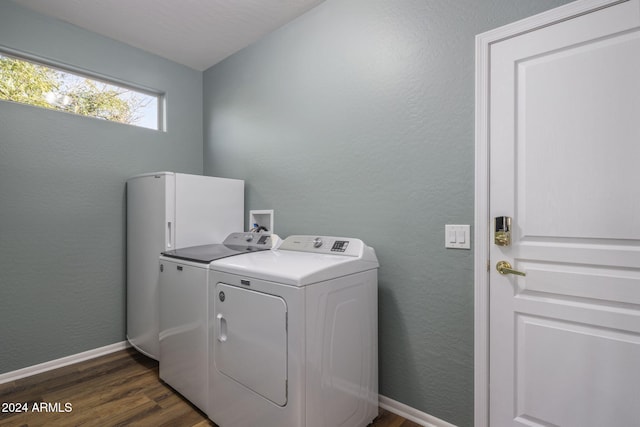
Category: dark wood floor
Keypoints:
(118, 389)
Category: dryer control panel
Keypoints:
(324, 245)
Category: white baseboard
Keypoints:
(411, 414)
(64, 361)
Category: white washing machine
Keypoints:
(294, 335)
(184, 359)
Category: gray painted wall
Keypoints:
(357, 120)
(62, 192)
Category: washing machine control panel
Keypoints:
(323, 244)
(249, 240)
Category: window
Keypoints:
(36, 84)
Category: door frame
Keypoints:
(483, 223)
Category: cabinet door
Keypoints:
(148, 234)
(251, 340)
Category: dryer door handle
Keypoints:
(222, 328)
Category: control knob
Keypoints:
(248, 237)
(317, 242)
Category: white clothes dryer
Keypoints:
(294, 335)
(183, 337)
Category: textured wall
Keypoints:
(357, 120)
(62, 193)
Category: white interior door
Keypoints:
(564, 137)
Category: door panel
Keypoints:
(578, 111)
(553, 356)
(582, 281)
(251, 340)
(564, 130)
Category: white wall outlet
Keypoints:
(457, 236)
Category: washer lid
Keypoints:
(203, 254)
(234, 244)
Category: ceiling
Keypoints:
(196, 33)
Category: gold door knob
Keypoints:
(504, 267)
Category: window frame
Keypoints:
(76, 71)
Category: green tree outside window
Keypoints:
(34, 84)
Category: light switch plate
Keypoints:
(457, 236)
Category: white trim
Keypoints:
(411, 414)
(482, 236)
(64, 361)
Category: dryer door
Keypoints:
(251, 340)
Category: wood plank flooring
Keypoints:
(119, 389)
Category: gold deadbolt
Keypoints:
(502, 231)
